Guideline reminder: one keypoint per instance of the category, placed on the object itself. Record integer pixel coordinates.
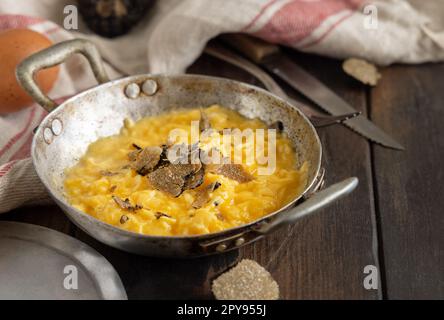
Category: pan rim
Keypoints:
(62, 202)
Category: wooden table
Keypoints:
(394, 220)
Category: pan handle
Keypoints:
(53, 56)
(317, 201)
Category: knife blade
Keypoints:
(272, 59)
(316, 118)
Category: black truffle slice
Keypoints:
(195, 180)
(185, 170)
(203, 195)
(159, 214)
(175, 178)
(145, 160)
(107, 173)
(168, 180)
(124, 219)
(125, 204)
(232, 171)
(193, 173)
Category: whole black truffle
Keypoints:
(112, 18)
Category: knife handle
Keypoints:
(255, 49)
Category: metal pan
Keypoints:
(65, 133)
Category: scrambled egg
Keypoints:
(102, 175)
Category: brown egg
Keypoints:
(16, 45)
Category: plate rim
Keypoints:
(107, 281)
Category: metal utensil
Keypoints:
(67, 131)
(271, 58)
(318, 119)
(40, 263)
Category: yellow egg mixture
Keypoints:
(230, 205)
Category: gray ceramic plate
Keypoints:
(40, 263)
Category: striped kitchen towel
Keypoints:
(175, 32)
(19, 184)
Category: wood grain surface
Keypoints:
(409, 185)
(393, 220)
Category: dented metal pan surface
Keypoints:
(65, 133)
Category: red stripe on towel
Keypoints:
(6, 167)
(298, 19)
(337, 23)
(13, 21)
(17, 137)
(260, 13)
(25, 150)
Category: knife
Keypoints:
(316, 118)
(272, 59)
